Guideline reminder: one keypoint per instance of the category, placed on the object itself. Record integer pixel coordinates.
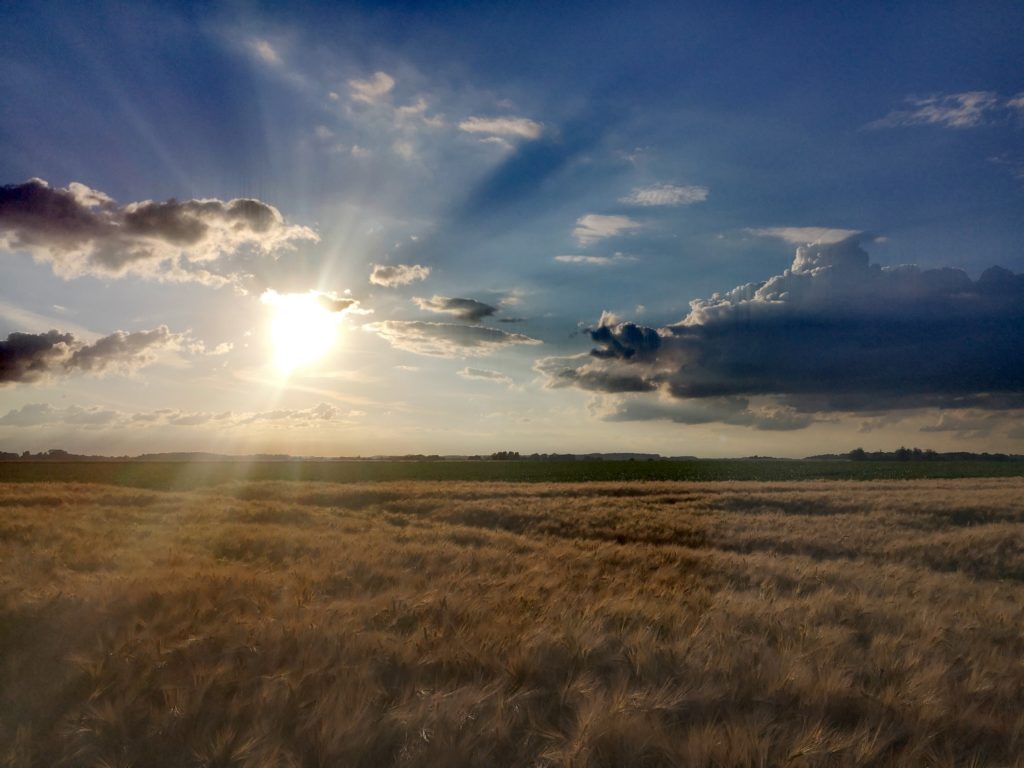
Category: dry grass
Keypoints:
(461, 624)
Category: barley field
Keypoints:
(417, 623)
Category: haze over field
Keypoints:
(356, 229)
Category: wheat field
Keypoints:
(487, 624)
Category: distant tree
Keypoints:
(857, 454)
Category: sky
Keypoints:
(367, 228)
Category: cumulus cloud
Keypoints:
(952, 110)
(392, 275)
(464, 309)
(445, 339)
(370, 90)
(517, 127)
(81, 231)
(832, 333)
(27, 357)
(594, 227)
(482, 374)
(665, 194)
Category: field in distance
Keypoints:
(491, 624)
(182, 475)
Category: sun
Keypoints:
(302, 329)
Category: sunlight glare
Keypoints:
(302, 329)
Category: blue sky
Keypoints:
(575, 175)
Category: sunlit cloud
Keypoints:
(594, 227)
(600, 261)
(392, 275)
(665, 195)
(806, 235)
(372, 89)
(30, 357)
(518, 127)
(81, 231)
(483, 374)
(953, 110)
(446, 339)
(833, 333)
(264, 51)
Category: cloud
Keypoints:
(370, 90)
(81, 231)
(603, 261)
(806, 235)
(445, 339)
(736, 411)
(464, 309)
(28, 357)
(43, 414)
(519, 127)
(594, 227)
(482, 374)
(392, 275)
(265, 52)
(665, 194)
(832, 333)
(953, 110)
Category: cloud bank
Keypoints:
(81, 231)
(832, 333)
(28, 357)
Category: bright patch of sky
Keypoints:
(480, 199)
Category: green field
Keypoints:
(185, 476)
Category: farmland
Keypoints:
(180, 475)
(269, 623)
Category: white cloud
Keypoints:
(601, 261)
(391, 275)
(953, 110)
(482, 374)
(370, 90)
(594, 227)
(519, 127)
(264, 51)
(666, 194)
(806, 235)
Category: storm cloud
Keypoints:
(81, 231)
(28, 357)
(446, 339)
(832, 333)
(464, 309)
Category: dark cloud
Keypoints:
(833, 332)
(27, 357)
(30, 356)
(464, 309)
(81, 231)
(445, 339)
